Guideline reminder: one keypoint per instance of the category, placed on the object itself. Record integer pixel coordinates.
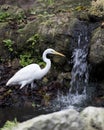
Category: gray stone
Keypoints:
(63, 120)
(93, 118)
(96, 54)
(96, 11)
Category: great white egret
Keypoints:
(32, 72)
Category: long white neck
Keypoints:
(48, 64)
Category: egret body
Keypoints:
(32, 72)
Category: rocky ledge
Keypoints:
(91, 118)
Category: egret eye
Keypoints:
(51, 51)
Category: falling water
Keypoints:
(77, 93)
(79, 72)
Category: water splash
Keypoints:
(70, 100)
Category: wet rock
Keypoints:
(64, 79)
(64, 76)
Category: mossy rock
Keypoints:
(96, 54)
(96, 12)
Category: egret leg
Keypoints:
(23, 84)
(33, 85)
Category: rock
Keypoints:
(96, 54)
(63, 120)
(96, 12)
(93, 118)
(64, 76)
(26, 4)
(64, 79)
(84, 16)
(11, 9)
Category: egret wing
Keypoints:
(26, 73)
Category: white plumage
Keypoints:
(32, 72)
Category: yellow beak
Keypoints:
(57, 53)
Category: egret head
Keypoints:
(52, 51)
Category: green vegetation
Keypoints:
(48, 2)
(32, 42)
(26, 59)
(9, 125)
(19, 16)
(34, 39)
(9, 44)
(4, 16)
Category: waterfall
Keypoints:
(77, 97)
(79, 72)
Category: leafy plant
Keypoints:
(34, 39)
(4, 16)
(42, 64)
(9, 44)
(19, 16)
(26, 59)
(9, 125)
